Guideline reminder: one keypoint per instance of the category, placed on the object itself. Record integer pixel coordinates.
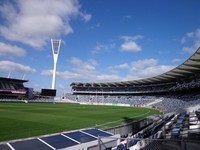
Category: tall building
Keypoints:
(55, 49)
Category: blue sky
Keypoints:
(102, 40)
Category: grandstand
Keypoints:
(185, 77)
(12, 88)
(181, 83)
(176, 93)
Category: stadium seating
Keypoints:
(198, 113)
(148, 136)
(12, 88)
(166, 104)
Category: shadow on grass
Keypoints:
(128, 120)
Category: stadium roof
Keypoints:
(12, 80)
(189, 68)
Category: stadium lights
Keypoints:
(55, 49)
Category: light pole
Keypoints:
(55, 49)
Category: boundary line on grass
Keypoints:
(107, 123)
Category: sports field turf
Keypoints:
(21, 120)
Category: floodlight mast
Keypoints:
(55, 49)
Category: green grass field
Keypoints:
(21, 120)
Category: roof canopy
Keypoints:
(12, 80)
(190, 67)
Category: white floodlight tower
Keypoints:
(55, 49)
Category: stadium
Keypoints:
(160, 112)
(12, 88)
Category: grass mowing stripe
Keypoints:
(20, 120)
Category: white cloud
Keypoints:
(9, 66)
(128, 17)
(130, 44)
(11, 50)
(187, 36)
(86, 71)
(34, 22)
(130, 38)
(176, 60)
(97, 25)
(121, 66)
(76, 61)
(153, 71)
(139, 69)
(66, 75)
(140, 64)
(86, 17)
(191, 41)
(69, 75)
(107, 78)
(100, 47)
(47, 72)
(146, 68)
(189, 50)
(117, 68)
(84, 67)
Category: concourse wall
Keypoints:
(126, 129)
